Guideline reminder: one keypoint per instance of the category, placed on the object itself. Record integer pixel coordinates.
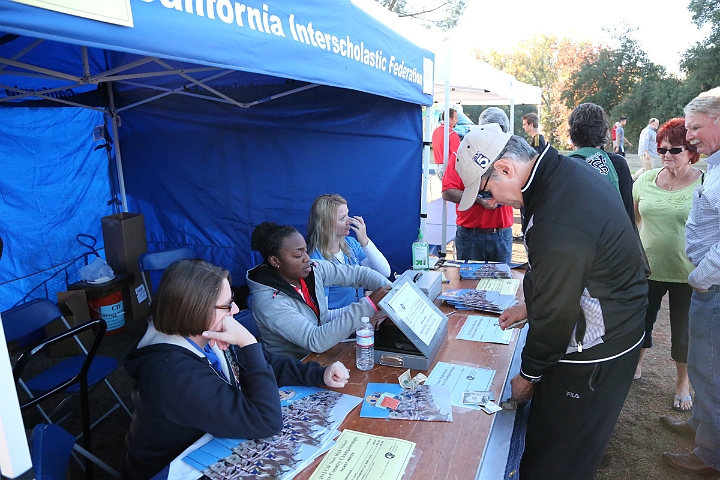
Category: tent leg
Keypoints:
(425, 172)
(118, 158)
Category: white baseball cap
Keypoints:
(478, 150)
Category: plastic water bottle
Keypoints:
(365, 345)
(420, 253)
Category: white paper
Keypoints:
(109, 11)
(484, 329)
(461, 378)
(413, 308)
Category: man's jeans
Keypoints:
(704, 371)
(483, 244)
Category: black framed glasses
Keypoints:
(484, 194)
(227, 307)
(671, 151)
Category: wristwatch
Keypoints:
(530, 379)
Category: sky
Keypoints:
(664, 32)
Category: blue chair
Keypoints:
(76, 374)
(246, 319)
(50, 450)
(158, 261)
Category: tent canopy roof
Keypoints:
(329, 43)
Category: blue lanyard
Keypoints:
(210, 355)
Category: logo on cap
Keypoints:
(480, 160)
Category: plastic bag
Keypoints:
(98, 271)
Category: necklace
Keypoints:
(677, 179)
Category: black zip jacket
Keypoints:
(586, 290)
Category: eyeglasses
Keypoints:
(484, 194)
(227, 307)
(672, 151)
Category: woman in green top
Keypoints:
(663, 198)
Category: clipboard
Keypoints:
(417, 330)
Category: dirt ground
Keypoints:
(634, 451)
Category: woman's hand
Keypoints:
(357, 225)
(379, 318)
(336, 375)
(229, 332)
(512, 315)
(379, 294)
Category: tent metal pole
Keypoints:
(426, 169)
(446, 154)
(512, 117)
(118, 158)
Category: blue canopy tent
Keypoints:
(208, 117)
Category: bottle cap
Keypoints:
(364, 319)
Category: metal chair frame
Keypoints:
(20, 321)
(160, 260)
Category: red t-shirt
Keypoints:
(476, 216)
(438, 144)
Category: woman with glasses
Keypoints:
(288, 293)
(663, 198)
(329, 228)
(198, 371)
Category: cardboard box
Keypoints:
(417, 330)
(125, 241)
(74, 307)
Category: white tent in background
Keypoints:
(459, 78)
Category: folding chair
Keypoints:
(50, 452)
(76, 374)
(158, 261)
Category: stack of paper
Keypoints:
(483, 300)
(473, 271)
(311, 417)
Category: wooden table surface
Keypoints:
(444, 450)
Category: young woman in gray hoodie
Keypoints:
(288, 295)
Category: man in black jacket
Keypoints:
(585, 292)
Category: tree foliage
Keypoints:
(705, 12)
(701, 63)
(548, 62)
(611, 77)
(443, 13)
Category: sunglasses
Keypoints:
(484, 194)
(227, 307)
(671, 151)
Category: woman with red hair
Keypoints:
(663, 198)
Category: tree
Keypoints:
(443, 13)
(625, 82)
(548, 62)
(701, 63)
(705, 11)
(610, 78)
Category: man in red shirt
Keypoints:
(438, 143)
(482, 233)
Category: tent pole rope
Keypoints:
(118, 158)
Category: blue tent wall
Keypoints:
(205, 174)
(54, 185)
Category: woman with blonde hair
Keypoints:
(328, 230)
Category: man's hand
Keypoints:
(521, 389)
(512, 315)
